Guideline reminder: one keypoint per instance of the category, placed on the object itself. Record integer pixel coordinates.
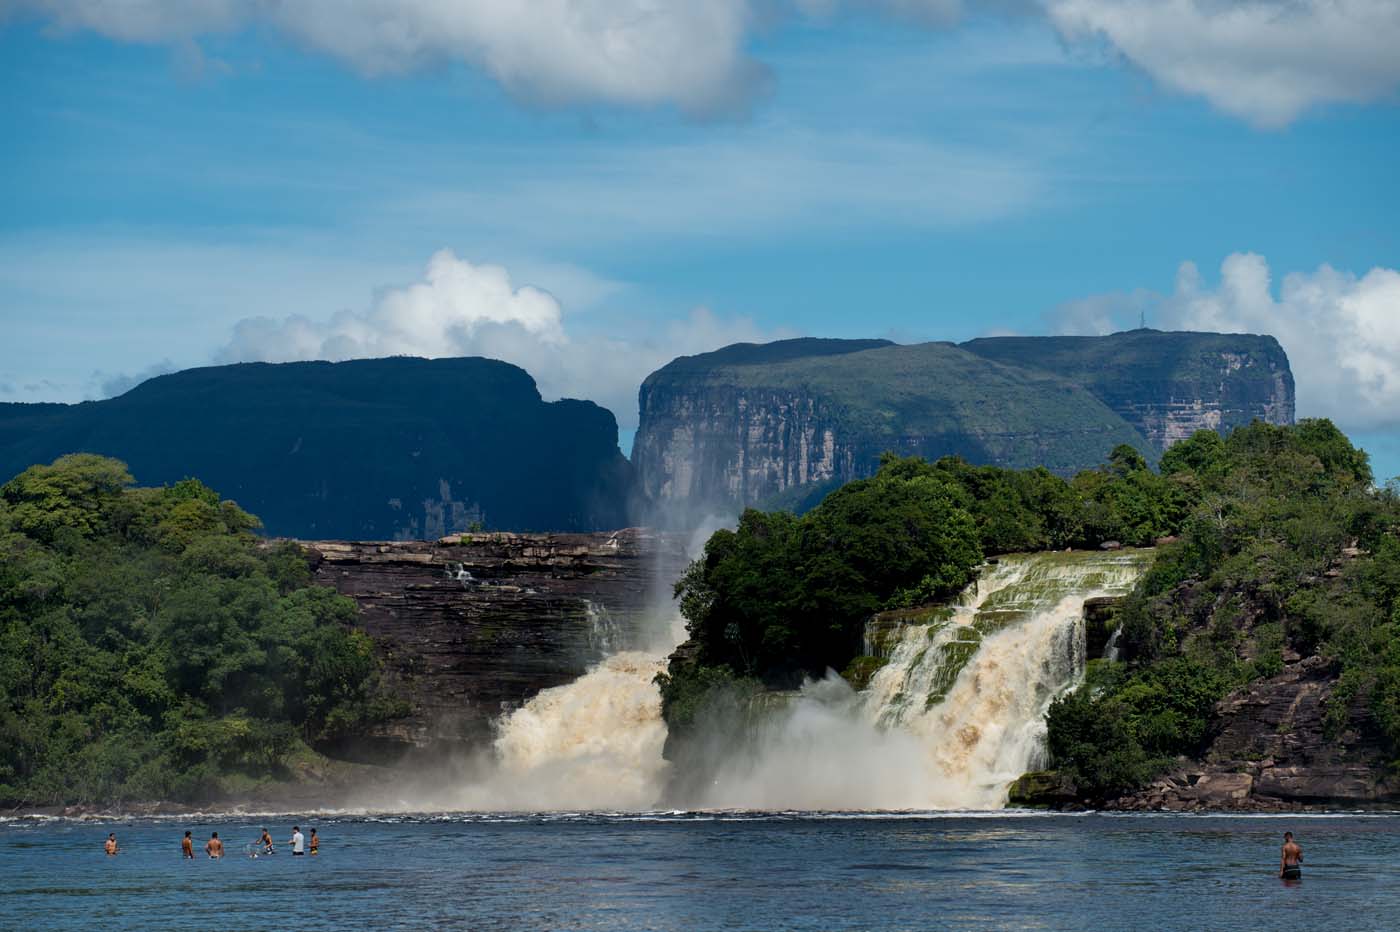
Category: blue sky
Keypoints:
(821, 169)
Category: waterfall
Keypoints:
(975, 687)
(604, 633)
(1110, 649)
(459, 572)
(955, 714)
(592, 744)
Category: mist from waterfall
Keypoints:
(955, 714)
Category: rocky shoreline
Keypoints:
(1270, 750)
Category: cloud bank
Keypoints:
(1341, 331)
(464, 309)
(630, 52)
(1265, 61)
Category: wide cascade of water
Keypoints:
(974, 687)
(955, 714)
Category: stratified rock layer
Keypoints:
(1271, 750)
(781, 423)
(1167, 385)
(473, 626)
(747, 425)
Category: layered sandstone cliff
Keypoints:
(750, 425)
(747, 424)
(1168, 385)
(471, 626)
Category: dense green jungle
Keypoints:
(152, 647)
(1271, 541)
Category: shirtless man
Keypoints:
(187, 847)
(110, 845)
(1290, 865)
(214, 847)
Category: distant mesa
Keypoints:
(376, 449)
(406, 448)
(783, 422)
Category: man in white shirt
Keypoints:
(298, 842)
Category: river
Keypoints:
(691, 872)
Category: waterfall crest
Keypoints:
(955, 714)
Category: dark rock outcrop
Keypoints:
(1042, 789)
(370, 449)
(1271, 750)
(1100, 621)
(471, 627)
(781, 423)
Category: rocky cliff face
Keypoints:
(751, 425)
(1271, 750)
(748, 425)
(1167, 385)
(471, 626)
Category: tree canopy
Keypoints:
(151, 647)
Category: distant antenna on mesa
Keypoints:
(1142, 320)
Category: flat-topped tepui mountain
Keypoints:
(1166, 384)
(366, 449)
(754, 424)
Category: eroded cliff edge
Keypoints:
(777, 423)
(1168, 385)
(471, 626)
(746, 424)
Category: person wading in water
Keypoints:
(187, 847)
(1290, 865)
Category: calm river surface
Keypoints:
(691, 872)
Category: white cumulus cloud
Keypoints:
(1341, 331)
(464, 309)
(1265, 61)
(634, 52)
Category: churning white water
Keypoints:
(958, 710)
(955, 714)
(591, 744)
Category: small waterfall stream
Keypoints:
(955, 714)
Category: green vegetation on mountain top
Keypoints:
(926, 399)
(1149, 354)
(151, 647)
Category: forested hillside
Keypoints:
(151, 648)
